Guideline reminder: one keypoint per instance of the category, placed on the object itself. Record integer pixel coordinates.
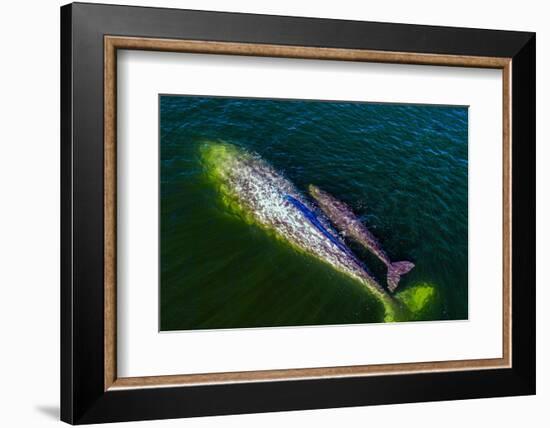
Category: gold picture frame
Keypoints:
(114, 43)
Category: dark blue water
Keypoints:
(403, 169)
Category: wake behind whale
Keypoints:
(251, 186)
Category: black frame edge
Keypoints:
(304, 31)
(83, 399)
(66, 306)
(524, 214)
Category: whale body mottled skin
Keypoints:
(347, 222)
(264, 197)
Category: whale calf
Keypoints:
(249, 185)
(347, 222)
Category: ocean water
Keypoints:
(403, 169)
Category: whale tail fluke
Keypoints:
(395, 270)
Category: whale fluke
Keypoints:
(395, 270)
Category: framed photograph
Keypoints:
(266, 213)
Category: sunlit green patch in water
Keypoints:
(218, 159)
(422, 301)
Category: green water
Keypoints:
(402, 168)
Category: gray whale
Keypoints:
(347, 222)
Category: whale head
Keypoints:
(315, 191)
